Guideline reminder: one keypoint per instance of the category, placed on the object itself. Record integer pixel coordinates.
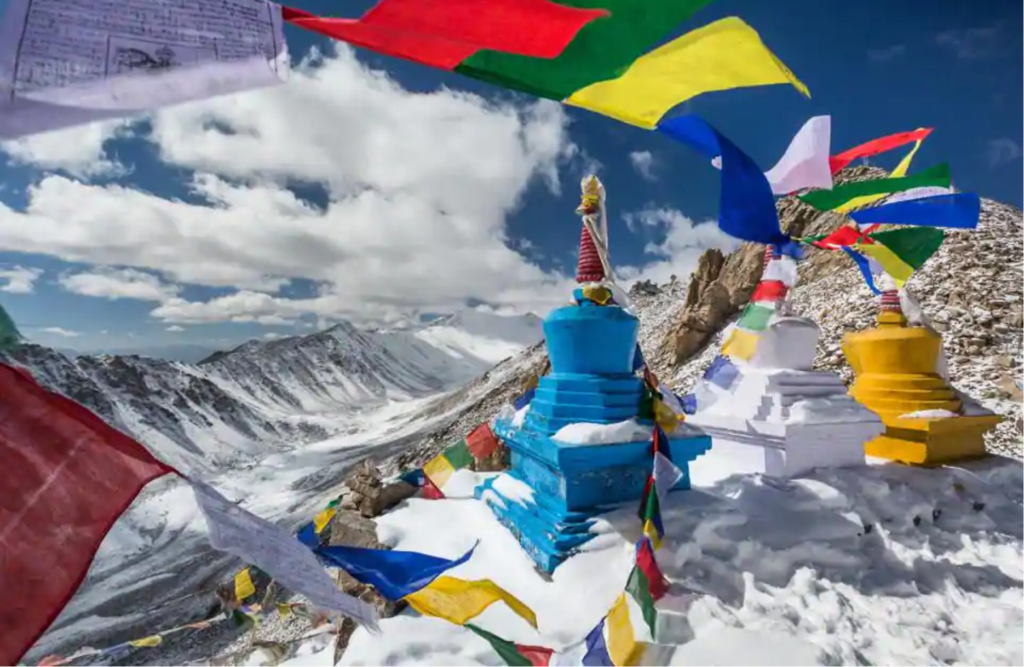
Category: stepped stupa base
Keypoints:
(933, 441)
(557, 488)
(783, 423)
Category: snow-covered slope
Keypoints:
(236, 407)
(483, 335)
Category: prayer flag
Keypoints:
(876, 146)
(443, 33)
(746, 209)
(66, 477)
(623, 647)
(724, 55)
(805, 162)
(147, 642)
(740, 344)
(440, 468)
(597, 648)
(865, 269)
(899, 172)
(515, 655)
(646, 584)
(827, 200)
(481, 441)
(459, 601)
(959, 211)
(395, 574)
(272, 549)
(602, 50)
(243, 585)
(321, 520)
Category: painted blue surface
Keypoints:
(592, 350)
(591, 340)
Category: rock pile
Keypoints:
(369, 495)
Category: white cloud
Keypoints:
(118, 284)
(643, 162)
(272, 335)
(174, 328)
(1002, 151)
(19, 279)
(420, 186)
(58, 331)
(682, 246)
(77, 150)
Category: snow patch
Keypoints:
(602, 434)
(929, 414)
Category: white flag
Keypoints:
(666, 475)
(805, 163)
(273, 550)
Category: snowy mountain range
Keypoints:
(234, 408)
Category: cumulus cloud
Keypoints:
(80, 150)
(677, 254)
(174, 328)
(419, 188)
(118, 284)
(643, 162)
(59, 331)
(19, 280)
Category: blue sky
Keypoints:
(876, 68)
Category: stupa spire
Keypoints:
(591, 267)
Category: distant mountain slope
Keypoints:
(236, 407)
(485, 336)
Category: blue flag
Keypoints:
(394, 574)
(746, 209)
(958, 211)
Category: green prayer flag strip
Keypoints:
(826, 200)
(639, 588)
(514, 655)
(602, 50)
(458, 455)
(755, 317)
(913, 245)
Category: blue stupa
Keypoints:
(592, 346)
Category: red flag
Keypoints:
(443, 33)
(876, 146)
(430, 490)
(481, 441)
(539, 656)
(769, 290)
(66, 478)
(649, 566)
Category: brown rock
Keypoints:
(496, 462)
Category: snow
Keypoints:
(763, 572)
(489, 337)
(583, 433)
(929, 414)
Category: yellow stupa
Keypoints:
(896, 369)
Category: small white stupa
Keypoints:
(765, 408)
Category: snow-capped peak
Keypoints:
(487, 336)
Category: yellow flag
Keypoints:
(899, 270)
(623, 648)
(723, 55)
(283, 609)
(243, 585)
(147, 642)
(438, 470)
(899, 172)
(740, 344)
(459, 601)
(321, 520)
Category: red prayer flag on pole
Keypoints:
(876, 146)
(66, 478)
(443, 33)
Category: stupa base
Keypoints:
(546, 533)
(932, 441)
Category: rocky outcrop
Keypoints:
(369, 495)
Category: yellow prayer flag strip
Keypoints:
(438, 470)
(147, 642)
(740, 344)
(321, 520)
(897, 269)
(723, 55)
(623, 648)
(243, 585)
(459, 601)
(899, 172)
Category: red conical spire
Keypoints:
(589, 268)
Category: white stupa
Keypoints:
(765, 408)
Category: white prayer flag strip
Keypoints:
(270, 548)
(666, 476)
(805, 162)
(70, 62)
